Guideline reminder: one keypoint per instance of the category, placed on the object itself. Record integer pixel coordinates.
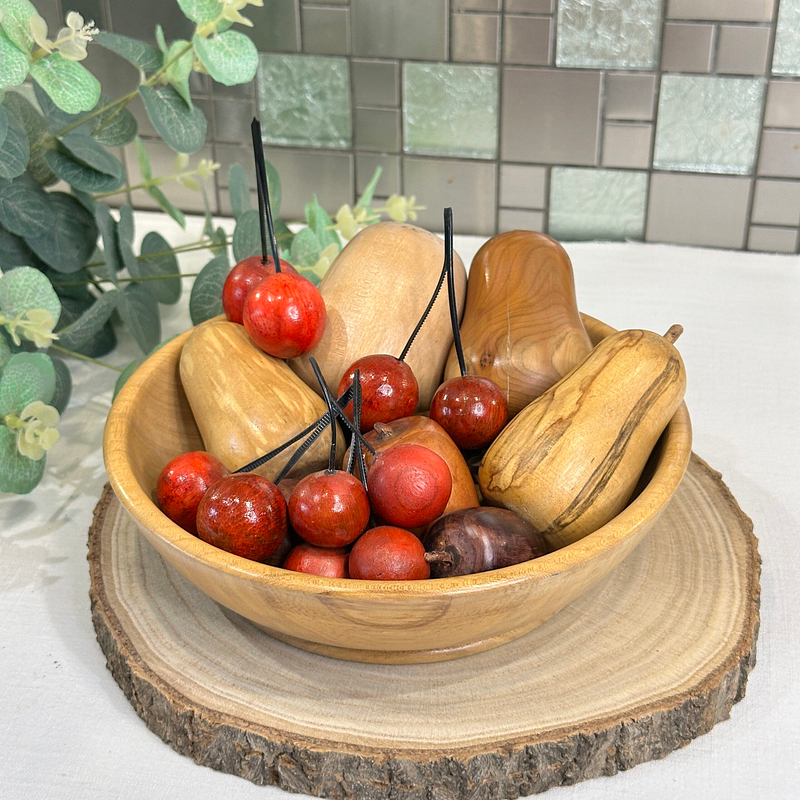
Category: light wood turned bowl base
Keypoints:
(651, 657)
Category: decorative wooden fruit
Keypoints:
(249, 272)
(330, 562)
(245, 402)
(570, 460)
(521, 327)
(387, 553)
(375, 292)
(424, 431)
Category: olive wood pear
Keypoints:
(246, 402)
(570, 461)
(422, 430)
(375, 292)
(521, 325)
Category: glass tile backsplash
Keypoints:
(658, 120)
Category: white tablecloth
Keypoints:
(67, 731)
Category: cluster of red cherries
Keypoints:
(346, 527)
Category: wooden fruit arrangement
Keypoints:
(404, 506)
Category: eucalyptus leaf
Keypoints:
(206, 298)
(131, 367)
(36, 129)
(219, 239)
(157, 261)
(231, 58)
(13, 62)
(69, 162)
(56, 117)
(63, 385)
(305, 249)
(85, 199)
(13, 250)
(238, 190)
(82, 330)
(116, 128)
(71, 86)
(166, 205)
(181, 127)
(16, 15)
(3, 125)
(108, 233)
(89, 152)
(23, 206)
(138, 53)
(60, 282)
(319, 222)
(15, 151)
(200, 11)
(72, 235)
(125, 234)
(161, 40)
(284, 235)
(25, 288)
(139, 312)
(178, 71)
(5, 350)
(247, 235)
(274, 187)
(26, 377)
(143, 158)
(366, 196)
(18, 473)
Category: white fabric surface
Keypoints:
(66, 729)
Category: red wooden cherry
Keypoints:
(409, 485)
(284, 315)
(389, 389)
(329, 509)
(182, 484)
(330, 562)
(249, 272)
(388, 554)
(244, 514)
(472, 409)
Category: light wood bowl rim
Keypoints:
(677, 450)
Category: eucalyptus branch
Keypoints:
(82, 357)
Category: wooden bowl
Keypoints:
(370, 621)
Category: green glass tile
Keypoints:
(305, 100)
(786, 60)
(597, 204)
(450, 110)
(708, 124)
(608, 33)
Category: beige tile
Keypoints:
(742, 50)
(772, 240)
(475, 5)
(475, 37)
(527, 40)
(469, 187)
(326, 30)
(377, 129)
(630, 97)
(707, 210)
(375, 83)
(408, 29)
(530, 6)
(232, 120)
(627, 144)
(776, 202)
(522, 186)
(280, 32)
(783, 105)
(550, 116)
(225, 207)
(227, 155)
(780, 154)
(686, 47)
(388, 183)
(734, 10)
(512, 219)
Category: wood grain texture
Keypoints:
(570, 461)
(375, 293)
(377, 621)
(246, 402)
(521, 325)
(637, 667)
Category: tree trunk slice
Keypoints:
(647, 660)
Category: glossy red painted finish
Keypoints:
(329, 509)
(182, 484)
(330, 562)
(388, 554)
(389, 389)
(409, 485)
(249, 272)
(243, 514)
(285, 315)
(472, 409)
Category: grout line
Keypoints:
(501, 63)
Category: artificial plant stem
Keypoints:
(425, 313)
(82, 357)
(451, 288)
(326, 393)
(264, 209)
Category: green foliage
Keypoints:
(305, 249)
(180, 58)
(15, 150)
(158, 263)
(238, 190)
(26, 377)
(320, 223)
(18, 473)
(138, 310)
(181, 127)
(140, 54)
(36, 130)
(72, 87)
(24, 209)
(13, 62)
(206, 298)
(25, 288)
(80, 333)
(85, 164)
(63, 390)
(229, 57)
(247, 235)
(16, 16)
(200, 11)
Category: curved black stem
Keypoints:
(451, 288)
(301, 451)
(357, 400)
(425, 313)
(326, 393)
(264, 210)
(356, 419)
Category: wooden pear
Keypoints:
(521, 324)
(570, 460)
(375, 292)
(246, 402)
